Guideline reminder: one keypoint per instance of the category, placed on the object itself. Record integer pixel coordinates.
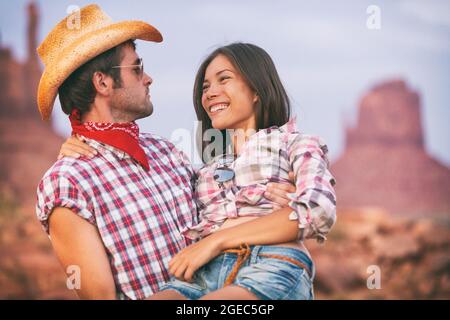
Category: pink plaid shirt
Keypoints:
(268, 156)
(139, 214)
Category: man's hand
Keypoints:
(278, 192)
(193, 257)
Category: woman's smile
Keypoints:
(217, 108)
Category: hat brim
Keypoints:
(84, 49)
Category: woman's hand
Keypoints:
(278, 192)
(193, 257)
(75, 147)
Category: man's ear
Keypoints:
(103, 84)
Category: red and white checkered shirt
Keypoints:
(139, 214)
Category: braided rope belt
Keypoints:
(244, 252)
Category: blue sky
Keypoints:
(325, 54)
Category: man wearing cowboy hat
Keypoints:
(118, 216)
(121, 250)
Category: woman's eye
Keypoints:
(205, 87)
(224, 78)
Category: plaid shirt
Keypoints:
(139, 214)
(268, 156)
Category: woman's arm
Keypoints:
(271, 229)
(314, 201)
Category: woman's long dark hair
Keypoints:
(258, 70)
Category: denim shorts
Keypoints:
(268, 278)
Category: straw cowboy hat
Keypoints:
(67, 47)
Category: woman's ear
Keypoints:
(255, 98)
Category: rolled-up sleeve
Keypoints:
(56, 190)
(314, 201)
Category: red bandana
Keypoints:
(123, 136)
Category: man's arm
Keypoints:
(77, 242)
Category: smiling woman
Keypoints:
(237, 88)
(224, 90)
(234, 78)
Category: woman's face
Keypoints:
(227, 98)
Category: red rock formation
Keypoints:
(19, 81)
(12, 95)
(384, 163)
(412, 255)
(32, 68)
(28, 147)
(27, 144)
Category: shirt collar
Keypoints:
(287, 128)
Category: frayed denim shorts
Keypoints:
(267, 277)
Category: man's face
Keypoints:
(132, 100)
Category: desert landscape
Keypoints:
(393, 197)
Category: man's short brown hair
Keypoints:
(78, 91)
